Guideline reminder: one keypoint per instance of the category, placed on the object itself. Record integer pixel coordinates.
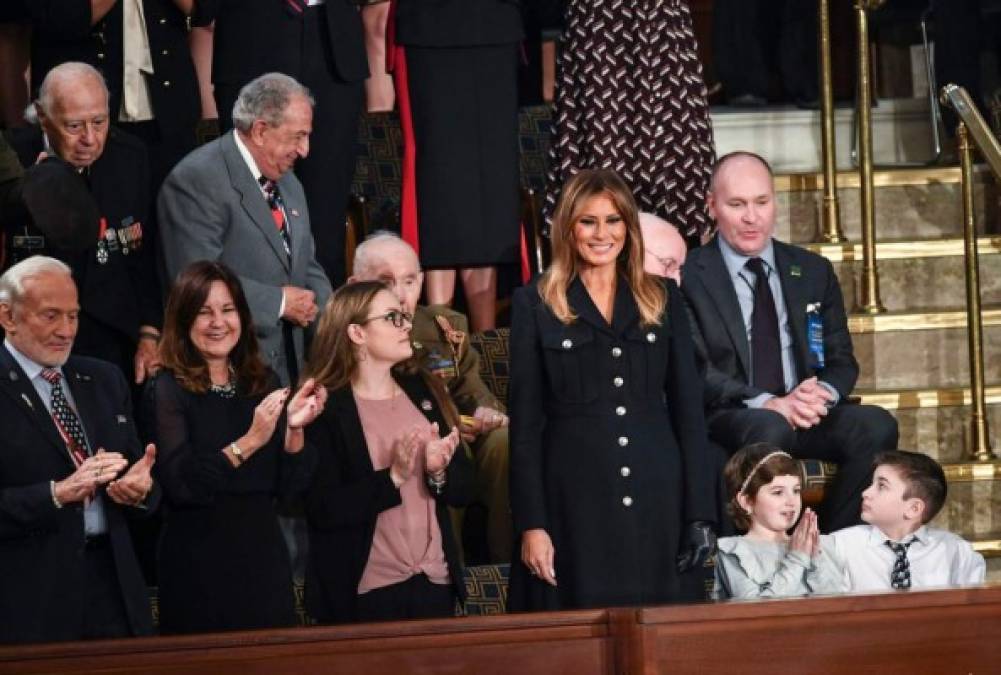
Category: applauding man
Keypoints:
(66, 484)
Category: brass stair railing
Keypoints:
(973, 128)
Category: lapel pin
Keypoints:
(295, 213)
(426, 405)
(122, 419)
(12, 375)
(795, 271)
(27, 401)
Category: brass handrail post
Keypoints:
(830, 216)
(980, 443)
(870, 302)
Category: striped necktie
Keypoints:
(66, 419)
(276, 205)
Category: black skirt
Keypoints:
(465, 116)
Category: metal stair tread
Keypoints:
(860, 323)
(906, 249)
(898, 177)
(925, 397)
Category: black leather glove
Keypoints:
(700, 543)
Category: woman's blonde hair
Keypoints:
(647, 290)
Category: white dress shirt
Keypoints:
(938, 559)
(256, 173)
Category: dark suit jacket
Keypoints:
(348, 494)
(119, 296)
(721, 339)
(253, 37)
(42, 587)
(62, 31)
(458, 23)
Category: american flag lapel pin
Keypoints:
(295, 213)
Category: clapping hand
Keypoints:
(438, 451)
(806, 536)
(306, 405)
(132, 488)
(404, 457)
(97, 470)
(266, 415)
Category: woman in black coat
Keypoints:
(381, 542)
(229, 446)
(608, 443)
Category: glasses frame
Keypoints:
(397, 317)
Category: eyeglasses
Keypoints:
(668, 263)
(393, 316)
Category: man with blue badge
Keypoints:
(772, 336)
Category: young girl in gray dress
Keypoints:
(767, 562)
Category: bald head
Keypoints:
(72, 108)
(385, 257)
(664, 247)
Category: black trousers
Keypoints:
(754, 38)
(326, 173)
(415, 598)
(104, 613)
(850, 435)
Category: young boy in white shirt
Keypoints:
(895, 549)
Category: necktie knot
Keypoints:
(51, 375)
(757, 265)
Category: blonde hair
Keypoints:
(648, 291)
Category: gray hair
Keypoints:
(12, 281)
(266, 98)
(364, 255)
(61, 73)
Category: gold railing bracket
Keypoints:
(870, 302)
(830, 216)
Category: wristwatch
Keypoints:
(237, 452)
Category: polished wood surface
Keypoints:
(497, 645)
(952, 631)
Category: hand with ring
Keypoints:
(95, 471)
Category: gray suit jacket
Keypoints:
(211, 208)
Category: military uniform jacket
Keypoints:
(43, 586)
(63, 32)
(454, 360)
(116, 277)
(608, 448)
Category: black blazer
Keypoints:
(253, 37)
(43, 584)
(458, 23)
(62, 31)
(347, 495)
(718, 328)
(118, 296)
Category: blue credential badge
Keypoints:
(815, 334)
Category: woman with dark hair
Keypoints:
(381, 542)
(608, 442)
(230, 442)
